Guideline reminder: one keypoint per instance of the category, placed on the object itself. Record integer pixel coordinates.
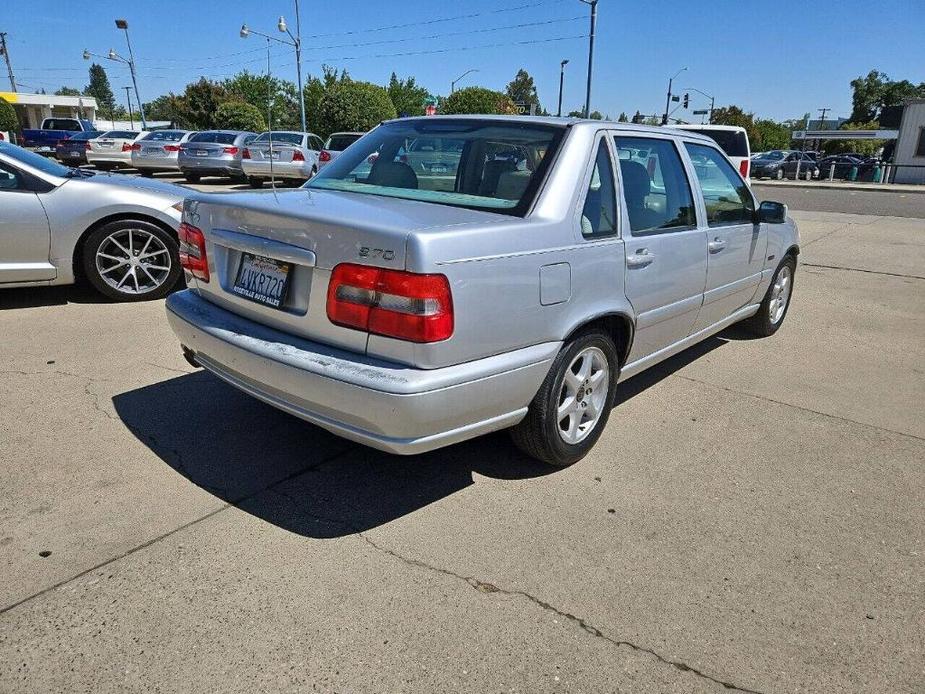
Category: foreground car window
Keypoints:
(36, 161)
(489, 165)
(724, 192)
(655, 187)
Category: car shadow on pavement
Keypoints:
(32, 297)
(293, 474)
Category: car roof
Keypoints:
(562, 122)
(695, 126)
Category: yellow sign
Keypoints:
(12, 97)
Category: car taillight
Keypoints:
(246, 154)
(394, 303)
(87, 146)
(126, 147)
(298, 156)
(325, 155)
(743, 168)
(171, 148)
(230, 150)
(193, 251)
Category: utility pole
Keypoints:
(128, 97)
(668, 98)
(593, 4)
(822, 111)
(561, 81)
(6, 56)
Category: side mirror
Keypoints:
(772, 212)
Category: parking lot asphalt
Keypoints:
(751, 520)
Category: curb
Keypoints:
(872, 188)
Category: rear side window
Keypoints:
(733, 142)
(338, 143)
(725, 194)
(655, 187)
(599, 214)
(61, 124)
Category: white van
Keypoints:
(732, 139)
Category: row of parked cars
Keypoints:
(783, 163)
(289, 155)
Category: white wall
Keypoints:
(910, 130)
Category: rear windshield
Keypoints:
(220, 138)
(121, 134)
(89, 135)
(284, 138)
(482, 164)
(338, 143)
(773, 155)
(733, 142)
(165, 135)
(61, 124)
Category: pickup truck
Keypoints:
(510, 276)
(44, 139)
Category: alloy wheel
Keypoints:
(583, 395)
(780, 294)
(133, 261)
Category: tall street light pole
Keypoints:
(561, 81)
(6, 56)
(296, 42)
(668, 99)
(453, 83)
(128, 98)
(593, 4)
(123, 24)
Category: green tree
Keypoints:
(166, 107)
(100, 90)
(67, 91)
(623, 118)
(8, 120)
(597, 115)
(478, 100)
(407, 96)
(872, 93)
(349, 105)
(867, 147)
(577, 113)
(238, 115)
(522, 89)
(199, 103)
(769, 135)
(257, 89)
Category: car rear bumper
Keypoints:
(287, 169)
(156, 163)
(384, 405)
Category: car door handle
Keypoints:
(640, 258)
(716, 245)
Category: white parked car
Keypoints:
(113, 149)
(158, 151)
(334, 145)
(281, 154)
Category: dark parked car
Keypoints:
(781, 163)
(843, 164)
(73, 150)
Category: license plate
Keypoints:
(202, 152)
(151, 152)
(263, 280)
(43, 149)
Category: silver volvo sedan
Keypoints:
(59, 224)
(510, 282)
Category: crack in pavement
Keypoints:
(796, 407)
(857, 269)
(87, 385)
(488, 588)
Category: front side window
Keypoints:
(655, 188)
(489, 165)
(599, 214)
(725, 193)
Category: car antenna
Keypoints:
(270, 121)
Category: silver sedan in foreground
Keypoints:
(499, 272)
(59, 224)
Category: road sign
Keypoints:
(701, 112)
(525, 108)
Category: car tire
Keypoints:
(146, 174)
(255, 182)
(770, 314)
(110, 248)
(540, 434)
(780, 174)
(191, 177)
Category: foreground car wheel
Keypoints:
(255, 182)
(572, 407)
(131, 260)
(776, 301)
(191, 178)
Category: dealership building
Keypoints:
(32, 109)
(909, 157)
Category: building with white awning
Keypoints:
(32, 109)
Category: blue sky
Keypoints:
(779, 59)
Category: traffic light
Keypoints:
(687, 100)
